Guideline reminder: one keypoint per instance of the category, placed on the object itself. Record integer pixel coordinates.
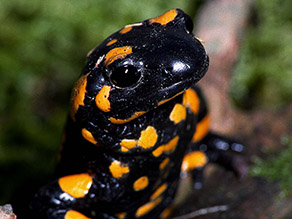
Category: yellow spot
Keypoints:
(101, 99)
(126, 29)
(118, 170)
(121, 215)
(166, 213)
(71, 214)
(127, 144)
(111, 42)
(76, 185)
(122, 121)
(171, 145)
(141, 183)
(166, 100)
(193, 160)
(164, 163)
(78, 95)
(144, 209)
(158, 191)
(117, 53)
(178, 113)
(166, 148)
(191, 100)
(202, 129)
(165, 18)
(123, 149)
(158, 151)
(88, 136)
(148, 137)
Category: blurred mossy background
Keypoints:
(263, 79)
(263, 76)
(43, 45)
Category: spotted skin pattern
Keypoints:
(137, 121)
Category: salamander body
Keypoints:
(137, 122)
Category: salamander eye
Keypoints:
(125, 76)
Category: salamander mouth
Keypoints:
(204, 68)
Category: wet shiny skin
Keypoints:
(136, 121)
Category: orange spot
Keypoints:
(166, 100)
(164, 163)
(88, 136)
(76, 185)
(148, 137)
(127, 144)
(193, 160)
(158, 151)
(166, 148)
(118, 170)
(178, 113)
(101, 99)
(165, 18)
(170, 146)
(158, 191)
(166, 213)
(121, 215)
(144, 209)
(191, 100)
(117, 53)
(202, 129)
(111, 42)
(78, 95)
(141, 183)
(126, 29)
(122, 121)
(71, 214)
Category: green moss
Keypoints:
(278, 168)
(263, 74)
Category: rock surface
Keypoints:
(6, 212)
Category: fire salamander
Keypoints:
(137, 123)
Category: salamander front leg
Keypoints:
(194, 163)
(213, 148)
(225, 152)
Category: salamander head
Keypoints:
(141, 67)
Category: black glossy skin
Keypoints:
(165, 61)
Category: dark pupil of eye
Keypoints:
(125, 76)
